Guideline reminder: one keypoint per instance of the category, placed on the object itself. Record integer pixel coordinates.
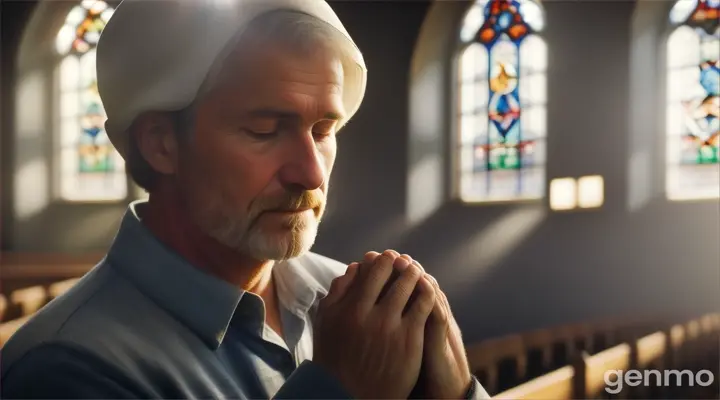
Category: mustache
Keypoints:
(289, 201)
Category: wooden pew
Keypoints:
(3, 307)
(20, 270)
(554, 385)
(58, 288)
(29, 299)
(585, 378)
(485, 357)
(650, 350)
(56, 266)
(590, 371)
(7, 329)
(570, 382)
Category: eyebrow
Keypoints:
(277, 113)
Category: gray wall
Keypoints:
(34, 219)
(504, 267)
(513, 267)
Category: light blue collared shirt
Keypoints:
(144, 323)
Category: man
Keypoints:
(227, 111)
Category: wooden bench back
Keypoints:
(29, 299)
(554, 385)
(7, 329)
(485, 356)
(58, 288)
(595, 367)
(585, 378)
(3, 306)
(20, 270)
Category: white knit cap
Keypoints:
(156, 54)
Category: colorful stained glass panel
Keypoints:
(90, 168)
(502, 150)
(693, 101)
(83, 26)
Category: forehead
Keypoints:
(277, 76)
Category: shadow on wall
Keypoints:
(36, 219)
(41, 223)
(472, 252)
(509, 268)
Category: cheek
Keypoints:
(227, 170)
(242, 176)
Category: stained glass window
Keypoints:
(502, 102)
(89, 167)
(693, 102)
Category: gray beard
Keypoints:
(246, 237)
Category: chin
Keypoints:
(282, 243)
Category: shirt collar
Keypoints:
(201, 301)
(205, 303)
(297, 288)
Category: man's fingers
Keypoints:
(363, 288)
(399, 291)
(340, 285)
(364, 268)
(400, 267)
(442, 327)
(440, 316)
(406, 257)
(370, 257)
(367, 263)
(421, 307)
(418, 264)
(348, 278)
(442, 299)
(370, 282)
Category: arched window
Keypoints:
(502, 102)
(693, 100)
(89, 168)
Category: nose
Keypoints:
(305, 167)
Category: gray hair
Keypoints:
(292, 29)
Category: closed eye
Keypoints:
(323, 133)
(324, 128)
(262, 128)
(261, 135)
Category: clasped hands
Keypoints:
(385, 330)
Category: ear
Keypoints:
(156, 139)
